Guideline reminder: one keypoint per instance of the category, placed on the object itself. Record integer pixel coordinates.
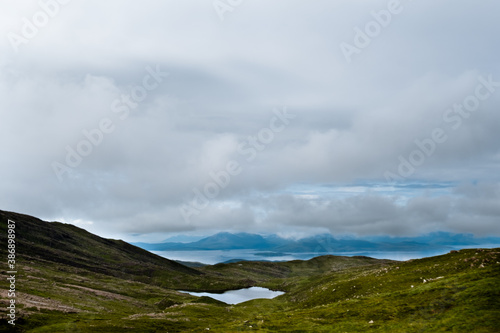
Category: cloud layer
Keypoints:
(353, 122)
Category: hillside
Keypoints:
(71, 280)
(69, 245)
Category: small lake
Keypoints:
(240, 295)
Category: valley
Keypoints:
(71, 280)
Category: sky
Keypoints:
(143, 120)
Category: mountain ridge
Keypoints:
(61, 243)
(323, 243)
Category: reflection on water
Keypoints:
(241, 295)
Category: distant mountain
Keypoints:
(182, 239)
(220, 241)
(232, 241)
(324, 243)
(440, 238)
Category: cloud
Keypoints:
(353, 121)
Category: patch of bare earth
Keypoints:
(30, 301)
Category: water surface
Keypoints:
(212, 257)
(240, 295)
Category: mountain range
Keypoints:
(323, 243)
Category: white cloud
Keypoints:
(352, 123)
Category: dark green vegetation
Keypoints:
(72, 281)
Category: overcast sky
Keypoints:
(135, 120)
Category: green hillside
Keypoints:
(72, 281)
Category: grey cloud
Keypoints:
(353, 121)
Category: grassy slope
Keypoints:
(69, 245)
(64, 245)
(117, 287)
